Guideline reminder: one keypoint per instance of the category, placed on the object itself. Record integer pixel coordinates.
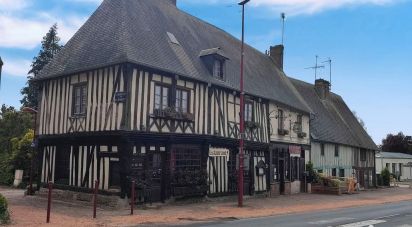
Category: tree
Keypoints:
(49, 48)
(385, 177)
(397, 143)
(13, 124)
(361, 122)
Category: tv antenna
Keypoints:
(329, 61)
(283, 17)
(316, 67)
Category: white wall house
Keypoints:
(397, 163)
(340, 146)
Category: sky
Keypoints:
(369, 42)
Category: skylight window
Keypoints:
(172, 38)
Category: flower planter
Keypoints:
(321, 189)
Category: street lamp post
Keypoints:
(33, 145)
(242, 120)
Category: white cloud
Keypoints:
(26, 33)
(16, 67)
(12, 5)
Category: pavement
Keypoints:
(31, 210)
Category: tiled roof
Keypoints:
(383, 154)
(138, 31)
(331, 119)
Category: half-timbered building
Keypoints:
(145, 91)
(340, 146)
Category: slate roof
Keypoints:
(332, 120)
(394, 155)
(135, 31)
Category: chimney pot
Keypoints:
(173, 2)
(276, 53)
(322, 88)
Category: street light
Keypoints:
(242, 122)
(33, 145)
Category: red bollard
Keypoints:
(49, 201)
(132, 198)
(96, 189)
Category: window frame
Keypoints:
(281, 121)
(299, 121)
(337, 153)
(188, 91)
(322, 149)
(83, 96)
(341, 172)
(162, 86)
(334, 172)
(252, 117)
(363, 155)
(221, 73)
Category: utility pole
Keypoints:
(242, 107)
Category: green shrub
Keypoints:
(385, 175)
(4, 212)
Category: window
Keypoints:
(248, 111)
(322, 149)
(218, 71)
(336, 150)
(79, 99)
(393, 168)
(334, 172)
(400, 169)
(341, 172)
(182, 101)
(387, 166)
(281, 125)
(363, 155)
(161, 97)
(320, 170)
(299, 123)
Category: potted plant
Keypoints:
(283, 132)
(302, 134)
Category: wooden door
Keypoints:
(155, 176)
(282, 175)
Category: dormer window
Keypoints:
(214, 60)
(218, 69)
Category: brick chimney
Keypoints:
(173, 2)
(322, 87)
(276, 53)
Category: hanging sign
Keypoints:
(246, 162)
(294, 150)
(219, 152)
(120, 97)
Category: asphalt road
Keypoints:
(391, 215)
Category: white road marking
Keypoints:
(389, 216)
(364, 223)
(330, 221)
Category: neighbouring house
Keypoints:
(340, 146)
(148, 92)
(398, 164)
